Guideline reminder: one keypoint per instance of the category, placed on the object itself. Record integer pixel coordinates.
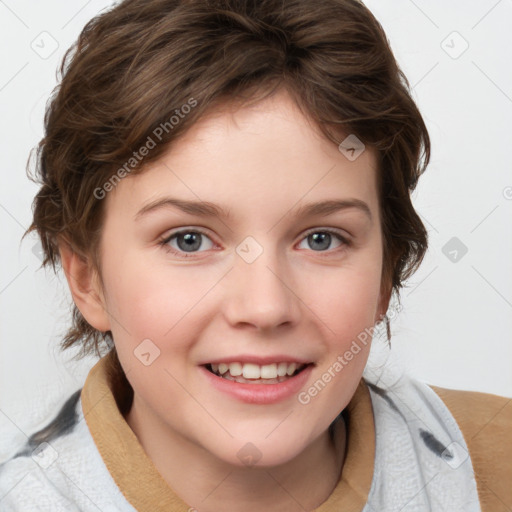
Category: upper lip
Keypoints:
(259, 360)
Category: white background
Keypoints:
(454, 329)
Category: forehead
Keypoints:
(267, 154)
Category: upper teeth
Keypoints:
(255, 371)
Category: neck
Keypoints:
(213, 485)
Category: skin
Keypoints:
(260, 163)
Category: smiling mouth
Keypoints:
(250, 373)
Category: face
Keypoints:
(214, 259)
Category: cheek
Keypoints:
(154, 301)
(346, 299)
(347, 304)
(347, 310)
(135, 298)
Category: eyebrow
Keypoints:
(332, 206)
(207, 209)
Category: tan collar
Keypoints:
(146, 490)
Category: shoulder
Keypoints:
(25, 486)
(485, 420)
(59, 468)
(30, 479)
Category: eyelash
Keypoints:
(165, 242)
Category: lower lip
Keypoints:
(260, 393)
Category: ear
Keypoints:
(84, 284)
(384, 298)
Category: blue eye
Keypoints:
(186, 241)
(322, 239)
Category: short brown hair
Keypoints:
(135, 66)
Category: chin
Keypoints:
(258, 453)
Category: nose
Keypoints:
(261, 294)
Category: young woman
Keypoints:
(226, 185)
